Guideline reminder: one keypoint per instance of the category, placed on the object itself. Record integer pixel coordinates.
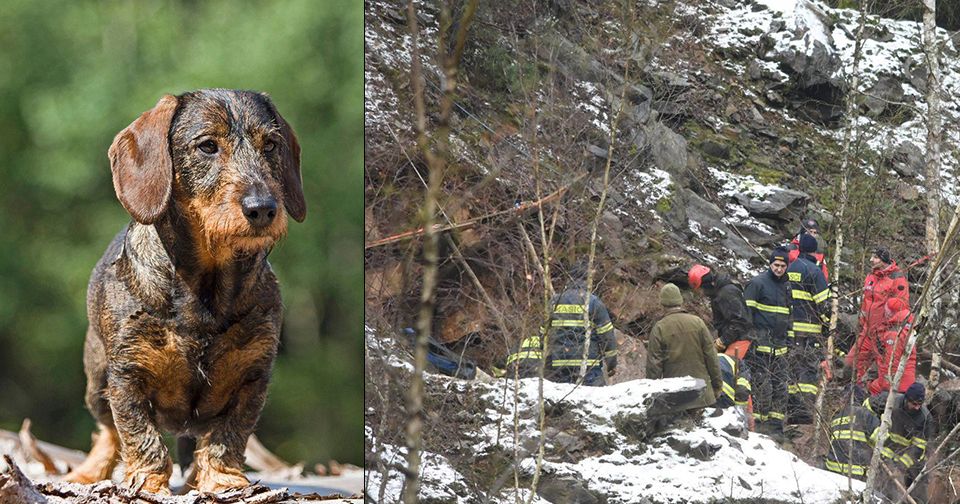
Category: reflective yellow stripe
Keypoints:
(793, 389)
(821, 296)
(568, 308)
(768, 350)
(529, 354)
(806, 388)
(776, 415)
(530, 342)
(887, 452)
(760, 416)
(729, 392)
(839, 467)
(849, 434)
(900, 440)
(733, 363)
(605, 327)
(920, 443)
(768, 308)
(906, 460)
(611, 353)
(841, 421)
(790, 334)
(743, 382)
(806, 327)
(794, 276)
(574, 362)
(801, 294)
(567, 323)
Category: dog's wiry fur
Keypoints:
(184, 309)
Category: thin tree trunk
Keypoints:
(852, 128)
(932, 53)
(436, 163)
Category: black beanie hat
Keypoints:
(915, 392)
(808, 243)
(779, 254)
(883, 254)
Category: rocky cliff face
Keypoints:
(729, 118)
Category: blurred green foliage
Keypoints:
(73, 74)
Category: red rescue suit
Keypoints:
(881, 285)
(890, 348)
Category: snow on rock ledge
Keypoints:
(624, 443)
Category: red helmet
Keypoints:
(696, 274)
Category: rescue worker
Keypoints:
(890, 348)
(680, 345)
(884, 282)
(730, 316)
(810, 227)
(567, 334)
(852, 436)
(766, 300)
(911, 426)
(735, 390)
(809, 313)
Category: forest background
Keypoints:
(72, 75)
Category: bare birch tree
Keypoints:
(932, 56)
(434, 152)
(851, 133)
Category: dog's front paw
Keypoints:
(211, 480)
(152, 482)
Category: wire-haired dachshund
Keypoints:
(184, 309)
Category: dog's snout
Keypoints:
(259, 210)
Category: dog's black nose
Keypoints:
(259, 210)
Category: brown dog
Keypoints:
(184, 309)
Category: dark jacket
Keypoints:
(730, 315)
(793, 252)
(766, 298)
(909, 431)
(852, 436)
(680, 345)
(809, 294)
(568, 333)
(524, 362)
(736, 382)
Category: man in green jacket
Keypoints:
(680, 345)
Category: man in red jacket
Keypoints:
(891, 346)
(885, 282)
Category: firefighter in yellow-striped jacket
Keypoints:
(852, 437)
(809, 314)
(766, 299)
(911, 426)
(566, 332)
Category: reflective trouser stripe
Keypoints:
(776, 351)
(574, 362)
(839, 467)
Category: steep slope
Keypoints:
(728, 129)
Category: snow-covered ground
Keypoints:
(728, 462)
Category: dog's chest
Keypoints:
(191, 376)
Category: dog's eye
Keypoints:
(208, 147)
(269, 146)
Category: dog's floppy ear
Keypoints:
(290, 177)
(141, 164)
